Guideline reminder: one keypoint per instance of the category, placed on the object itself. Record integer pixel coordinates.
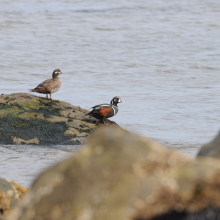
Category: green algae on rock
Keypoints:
(28, 119)
(119, 175)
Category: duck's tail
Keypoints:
(32, 90)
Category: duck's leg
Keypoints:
(53, 100)
(46, 95)
(103, 121)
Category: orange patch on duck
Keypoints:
(104, 112)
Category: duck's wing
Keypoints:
(46, 86)
(98, 107)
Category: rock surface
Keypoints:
(118, 175)
(28, 119)
(211, 149)
(10, 194)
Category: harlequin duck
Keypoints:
(49, 86)
(105, 110)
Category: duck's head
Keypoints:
(116, 100)
(56, 73)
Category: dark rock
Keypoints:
(206, 214)
(28, 119)
(118, 175)
(211, 149)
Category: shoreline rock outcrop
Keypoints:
(119, 175)
(28, 119)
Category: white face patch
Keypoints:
(113, 109)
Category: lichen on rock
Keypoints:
(10, 194)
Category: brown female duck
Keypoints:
(49, 86)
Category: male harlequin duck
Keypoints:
(105, 110)
(49, 86)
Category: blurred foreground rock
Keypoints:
(10, 194)
(121, 176)
(211, 149)
(28, 119)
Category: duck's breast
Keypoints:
(55, 86)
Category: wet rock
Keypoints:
(10, 194)
(28, 119)
(211, 149)
(118, 175)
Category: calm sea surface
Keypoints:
(161, 57)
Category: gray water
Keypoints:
(161, 57)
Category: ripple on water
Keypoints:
(24, 162)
